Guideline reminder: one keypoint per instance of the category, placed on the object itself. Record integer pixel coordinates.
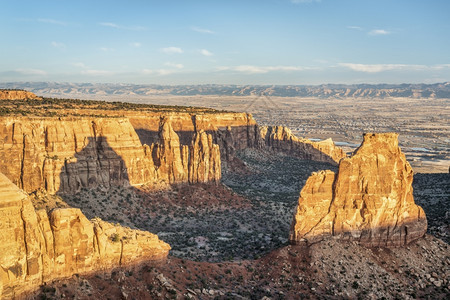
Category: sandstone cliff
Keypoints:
(281, 139)
(369, 200)
(17, 95)
(37, 246)
(177, 163)
(65, 154)
(235, 131)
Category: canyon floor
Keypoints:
(229, 241)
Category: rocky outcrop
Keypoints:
(369, 200)
(17, 95)
(171, 158)
(66, 154)
(37, 247)
(281, 139)
(177, 163)
(231, 131)
(205, 164)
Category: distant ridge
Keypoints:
(338, 91)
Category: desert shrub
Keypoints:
(115, 237)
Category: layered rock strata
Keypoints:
(281, 139)
(231, 131)
(37, 247)
(66, 154)
(369, 199)
(17, 95)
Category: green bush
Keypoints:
(115, 237)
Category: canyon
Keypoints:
(157, 169)
(17, 95)
(70, 152)
(38, 246)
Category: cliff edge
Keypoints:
(17, 95)
(281, 139)
(38, 247)
(369, 199)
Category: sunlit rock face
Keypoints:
(63, 155)
(281, 139)
(37, 247)
(177, 163)
(17, 95)
(368, 200)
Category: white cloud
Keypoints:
(86, 70)
(96, 72)
(31, 72)
(58, 45)
(355, 28)
(163, 72)
(304, 1)
(249, 69)
(52, 21)
(376, 68)
(174, 65)
(379, 32)
(440, 67)
(117, 26)
(79, 65)
(136, 44)
(172, 50)
(205, 52)
(202, 30)
(108, 24)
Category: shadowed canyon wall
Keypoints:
(237, 131)
(38, 246)
(17, 95)
(369, 200)
(67, 153)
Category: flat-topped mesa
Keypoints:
(37, 247)
(280, 138)
(369, 200)
(17, 95)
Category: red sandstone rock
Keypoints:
(36, 248)
(369, 200)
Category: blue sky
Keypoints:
(225, 41)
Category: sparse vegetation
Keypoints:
(115, 238)
(55, 107)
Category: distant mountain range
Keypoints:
(428, 91)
